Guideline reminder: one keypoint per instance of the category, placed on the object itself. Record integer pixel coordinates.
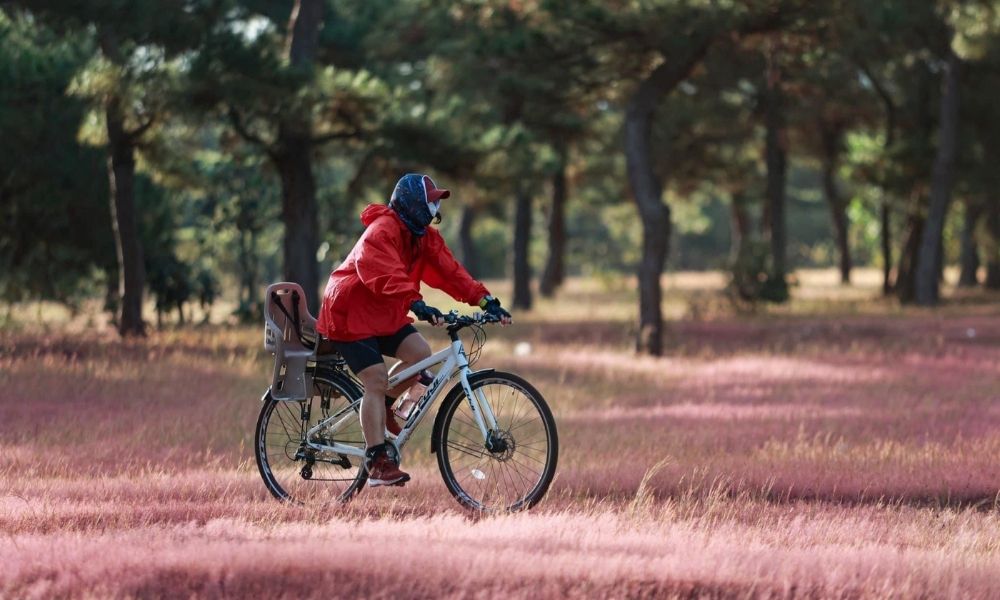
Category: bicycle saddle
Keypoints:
(326, 351)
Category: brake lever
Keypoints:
(485, 317)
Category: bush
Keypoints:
(751, 280)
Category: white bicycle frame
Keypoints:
(454, 359)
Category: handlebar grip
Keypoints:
(452, 318)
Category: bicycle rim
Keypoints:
(292, 471)
(517, 472)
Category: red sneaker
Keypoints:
(382, 470)
(391, 425)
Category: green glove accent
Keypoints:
(492, 307)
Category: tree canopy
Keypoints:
(236, 142)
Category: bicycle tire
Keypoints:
(476, 482)
(286, 480)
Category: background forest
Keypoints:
(236, 141)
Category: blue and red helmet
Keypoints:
(416, 200)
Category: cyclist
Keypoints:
(366, 301)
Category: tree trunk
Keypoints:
(923, 125)
(969, 276)
(248, 266)
(465, 242)
(992, 281)
(302, 38)
(293, 159)
(655, 217)
(765, 220)
(776, 150)
(655, 245)
(124, 221)
(832, 139)
(554, 273)
(906, 272)
(298, 211)
(927, 290)
(121, 176)
(885, 227)
(739, 226)
(522, 235)
(647, 189)
(112, 296)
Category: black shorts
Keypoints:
(361, 354)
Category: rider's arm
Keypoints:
(443, 272)
(381, 268)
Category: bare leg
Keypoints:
(413, 349)
(375, 379)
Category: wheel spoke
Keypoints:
(515, 427)
(501, 480)
(471, 451)
(283, 429)
(526, 466)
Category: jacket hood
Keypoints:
(374, 211)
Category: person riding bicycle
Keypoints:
(367, 299)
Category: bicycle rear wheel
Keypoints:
(514, 468)
(294, 472)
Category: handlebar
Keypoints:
(457, 321)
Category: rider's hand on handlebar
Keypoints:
(492, 307)
(427, 313)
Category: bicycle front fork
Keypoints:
(481, 409)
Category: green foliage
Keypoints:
(702, 232)
(603, 238)
(751, 280)
(488, 96)
(54, 227)
(241, 68)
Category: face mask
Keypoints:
(433, 207)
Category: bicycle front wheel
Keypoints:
(295, 471)
(513, 467)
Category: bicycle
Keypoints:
(494, 436)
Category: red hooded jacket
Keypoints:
(370, 293)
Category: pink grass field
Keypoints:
(834, 456)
